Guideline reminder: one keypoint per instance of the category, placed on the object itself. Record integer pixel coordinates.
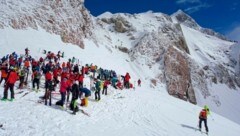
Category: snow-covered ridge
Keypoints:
(188, 21)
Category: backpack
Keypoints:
(37, 75)
(203, 114)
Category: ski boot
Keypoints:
(4, 99)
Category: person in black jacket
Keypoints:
(75, 94)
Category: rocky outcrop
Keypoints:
(121, 25)
(167, 46)
(178, 78)
(69, 19)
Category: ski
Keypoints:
(26, 94)
(85, 113)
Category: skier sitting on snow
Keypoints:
(87, 92)
(203, 117)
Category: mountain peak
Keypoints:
(185, 19)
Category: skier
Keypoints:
(80, 80)
(114, 81)
(36, 75)
(26, 51)
(11, 79)
(63, 91)
(75, 92)
(76, 68)
(19, 62)
(139, 82)
(203, 117)
(105, 86)
(4, 72)
(22, 74)
(87, 92)
(126, 79)
(119, 85)
(48, 82)
(59, 55)
(98, 89)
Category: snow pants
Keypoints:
(205, 123)
(11, 86)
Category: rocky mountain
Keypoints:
(188, 65)
(67, 18)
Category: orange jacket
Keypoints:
(27, 63)
(4, 73)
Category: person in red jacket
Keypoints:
(63, 90)
(80, 80)
(4, 72)
(56, 73)
(119, 85)
(203, 118)
(11, 79)
(105, 86)
(48, 79)
(126, 81)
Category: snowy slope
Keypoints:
(210, 51)
(205, 50)
(144, 111)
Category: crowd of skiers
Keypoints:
(69, 75)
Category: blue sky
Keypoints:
(220, 15)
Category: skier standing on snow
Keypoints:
(26, 51)
(139, 82)
(105, 86)
(22, 74)
(63, 91)
(48, 81)
(4, 72)
(11, 79)
(203, 117)
(127, 81)
(36, 75)
(98, 89)
(75, 92)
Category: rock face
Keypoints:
(178, 78)
(167, 45)
(120, 24)
(67, 18)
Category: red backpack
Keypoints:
(203, 114)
